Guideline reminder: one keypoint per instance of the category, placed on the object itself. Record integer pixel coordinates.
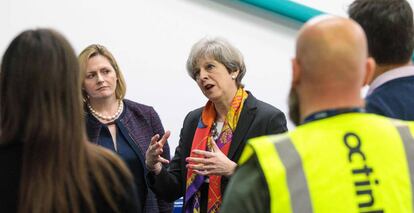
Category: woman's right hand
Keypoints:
(153, 159)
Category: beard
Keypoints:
(293, 102)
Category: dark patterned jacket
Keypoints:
(257, 118)
(141, 123)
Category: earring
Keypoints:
(233, 77)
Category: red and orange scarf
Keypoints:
(202, 141)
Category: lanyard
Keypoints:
(331, 112)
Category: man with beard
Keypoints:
(339, 159)
(389, 27)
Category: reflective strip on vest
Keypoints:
(355, 162)
(268, 154)
(296, 180)
(408, 142)
(285, 159)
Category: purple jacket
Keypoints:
(141, 122)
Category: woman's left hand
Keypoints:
(211, 163)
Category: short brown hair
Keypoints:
(389, 27)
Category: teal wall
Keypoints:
(290, 9)
(286, 8)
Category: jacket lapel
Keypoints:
(245, 121)
(138, 151)
(93, 127)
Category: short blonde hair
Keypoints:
(220, 50)
(97, 49)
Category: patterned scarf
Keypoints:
(202, 141)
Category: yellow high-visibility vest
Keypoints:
(353, 162)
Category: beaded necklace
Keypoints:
(107, 118)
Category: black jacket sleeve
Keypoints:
(170, 183)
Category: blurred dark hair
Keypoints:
(389, 27)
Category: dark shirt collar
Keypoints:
(331, 112)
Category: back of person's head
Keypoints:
(95, 50)
(389, 27)
(41, 108)
(330, 67)
(39, 98)
(331, 50)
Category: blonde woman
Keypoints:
(123, 126)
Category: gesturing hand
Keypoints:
(153, 159)
(211, 163)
